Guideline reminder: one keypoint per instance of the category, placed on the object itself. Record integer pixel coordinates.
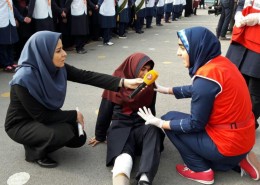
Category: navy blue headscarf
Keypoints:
(37, 73)
(202, 46)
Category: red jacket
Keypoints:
(231, 105)
(248, 35)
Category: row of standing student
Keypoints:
(77, 18)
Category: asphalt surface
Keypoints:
(86, 165)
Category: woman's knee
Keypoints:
(174, 115)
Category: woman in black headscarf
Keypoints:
(38, 90)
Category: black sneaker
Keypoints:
(224, 38)
(82, 51)
(140, 32)
(122, 37)
(143, 183)
(46, 162)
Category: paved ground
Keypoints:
(86, 165)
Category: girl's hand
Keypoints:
(93, 141)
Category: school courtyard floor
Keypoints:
(86, 165)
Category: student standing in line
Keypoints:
(122, 18)
(79, 23)
(41, 13)
(8, 33)
(139, 8)
(159, 12)
(244, 50)
(107, 19)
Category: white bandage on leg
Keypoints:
(123, 164)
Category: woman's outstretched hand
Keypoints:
(162, 89)
(93, 141)
(149, 118)
(132, 83)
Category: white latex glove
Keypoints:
(239, 19)
(147, 115)
(252, 19)
(162, 89)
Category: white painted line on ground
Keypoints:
(167, 62)
(101, 57)
(5, 95)
(18, 178)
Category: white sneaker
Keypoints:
(109, 43)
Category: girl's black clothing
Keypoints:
(129, 134)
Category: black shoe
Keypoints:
(122, 37)
(82, 51)
(143, 183)
(140, 32)
(149, 27)
(224, 38)
(159, 24)
(46, 162)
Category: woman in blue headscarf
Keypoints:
(219, 132)
(34, 117)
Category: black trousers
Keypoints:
(79, 42)
(148, 143)
(6, 55)
(159, 18)
(254, 89)
(106, 34)
(40, 139)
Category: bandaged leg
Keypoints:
(122, 169)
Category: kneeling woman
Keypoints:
(38, 90)
(219, 132)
